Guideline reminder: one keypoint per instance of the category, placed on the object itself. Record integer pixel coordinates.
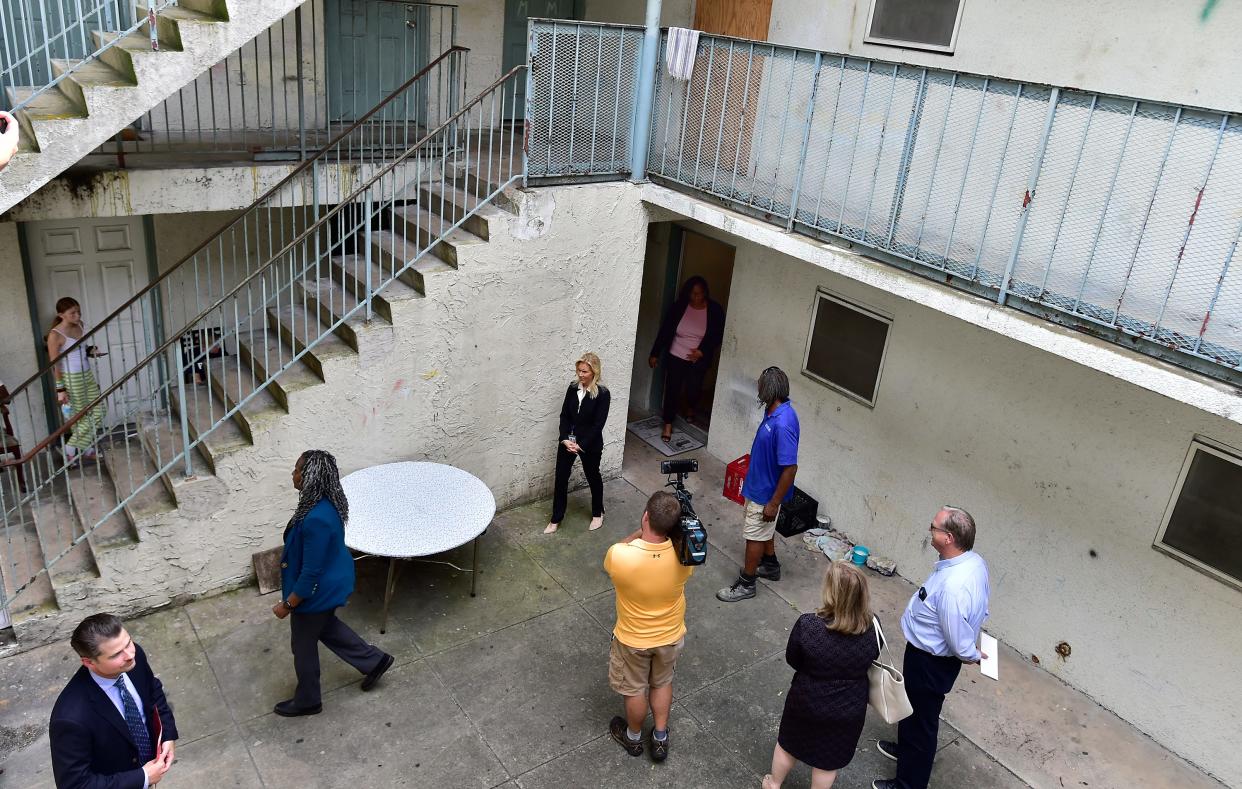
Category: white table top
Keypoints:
(415, 509)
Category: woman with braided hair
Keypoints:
(317, 577)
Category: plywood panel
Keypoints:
(740, 18)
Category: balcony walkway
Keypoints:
(510, 689)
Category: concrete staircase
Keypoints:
(179, 528)
(106, 94)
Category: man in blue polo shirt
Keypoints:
(769, 483)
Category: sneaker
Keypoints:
(887, 748)
(886, 783)
(659, 748)
(740, 590)
(618, 729)
(771, 572)
(369, 680)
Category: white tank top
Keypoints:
(75, 361)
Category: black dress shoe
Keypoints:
(369, 680)
(287, 709)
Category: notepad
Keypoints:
(990, 665)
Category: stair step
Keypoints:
(350, 270)
(51, 105)
(203, 409)
(88, 74)
(299, 326)
(183, 13)
(333, 302)
(266, 354)
(168, 24)
(57, 528)
(130, 467)
(161, 438)
(120, 55)
(453, 202)
(92, 73)
(23, 562)
(416, 222)
(395, 250)
(482, 184)
(232, 383)
(93, 496)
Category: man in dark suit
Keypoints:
(111, 727)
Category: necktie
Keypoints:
(137, 729)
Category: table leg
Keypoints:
(474, 569)
(388, 589)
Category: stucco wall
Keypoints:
(1054, 460)
(472, 375)
(1143, 48)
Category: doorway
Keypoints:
(674, 255)
(101, 263)
(517, 13)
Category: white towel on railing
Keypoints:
(683, 44)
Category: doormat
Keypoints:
(684, 436)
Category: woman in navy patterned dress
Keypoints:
(830, 651)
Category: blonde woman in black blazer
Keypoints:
(582, 415)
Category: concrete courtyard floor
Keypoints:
(509, 689)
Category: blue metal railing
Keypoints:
(1117, 214)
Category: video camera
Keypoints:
(690, 538)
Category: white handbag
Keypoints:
(888, 687)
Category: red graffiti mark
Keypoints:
(397, 386)
(1026, 199)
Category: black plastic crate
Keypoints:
(798, 514)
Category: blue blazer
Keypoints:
(91, 745)
(316, 565)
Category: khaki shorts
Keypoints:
(632, 671)
(755, 527)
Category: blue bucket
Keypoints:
(860, 554)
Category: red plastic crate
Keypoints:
(735, 475)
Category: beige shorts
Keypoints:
(632, 671)
(755, 527)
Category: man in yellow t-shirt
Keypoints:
(651, 625)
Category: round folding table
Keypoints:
(411, 510)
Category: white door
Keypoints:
(101, 263)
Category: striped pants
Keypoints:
(83, 388)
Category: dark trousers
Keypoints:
(928, 679)
(590, 468)
(305, 633)
(681, 379)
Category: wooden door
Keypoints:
(101, 263)
(737, 18)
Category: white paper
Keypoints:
(990, 665)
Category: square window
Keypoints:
(1203, 526)
(915, 24)
(846, 346)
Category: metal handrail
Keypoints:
(241, 216)
(272, 261)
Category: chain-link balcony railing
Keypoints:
(1115, 214)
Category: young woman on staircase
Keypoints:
(75, 381)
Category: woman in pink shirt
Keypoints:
(689, 334)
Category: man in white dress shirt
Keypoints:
(941, 625)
